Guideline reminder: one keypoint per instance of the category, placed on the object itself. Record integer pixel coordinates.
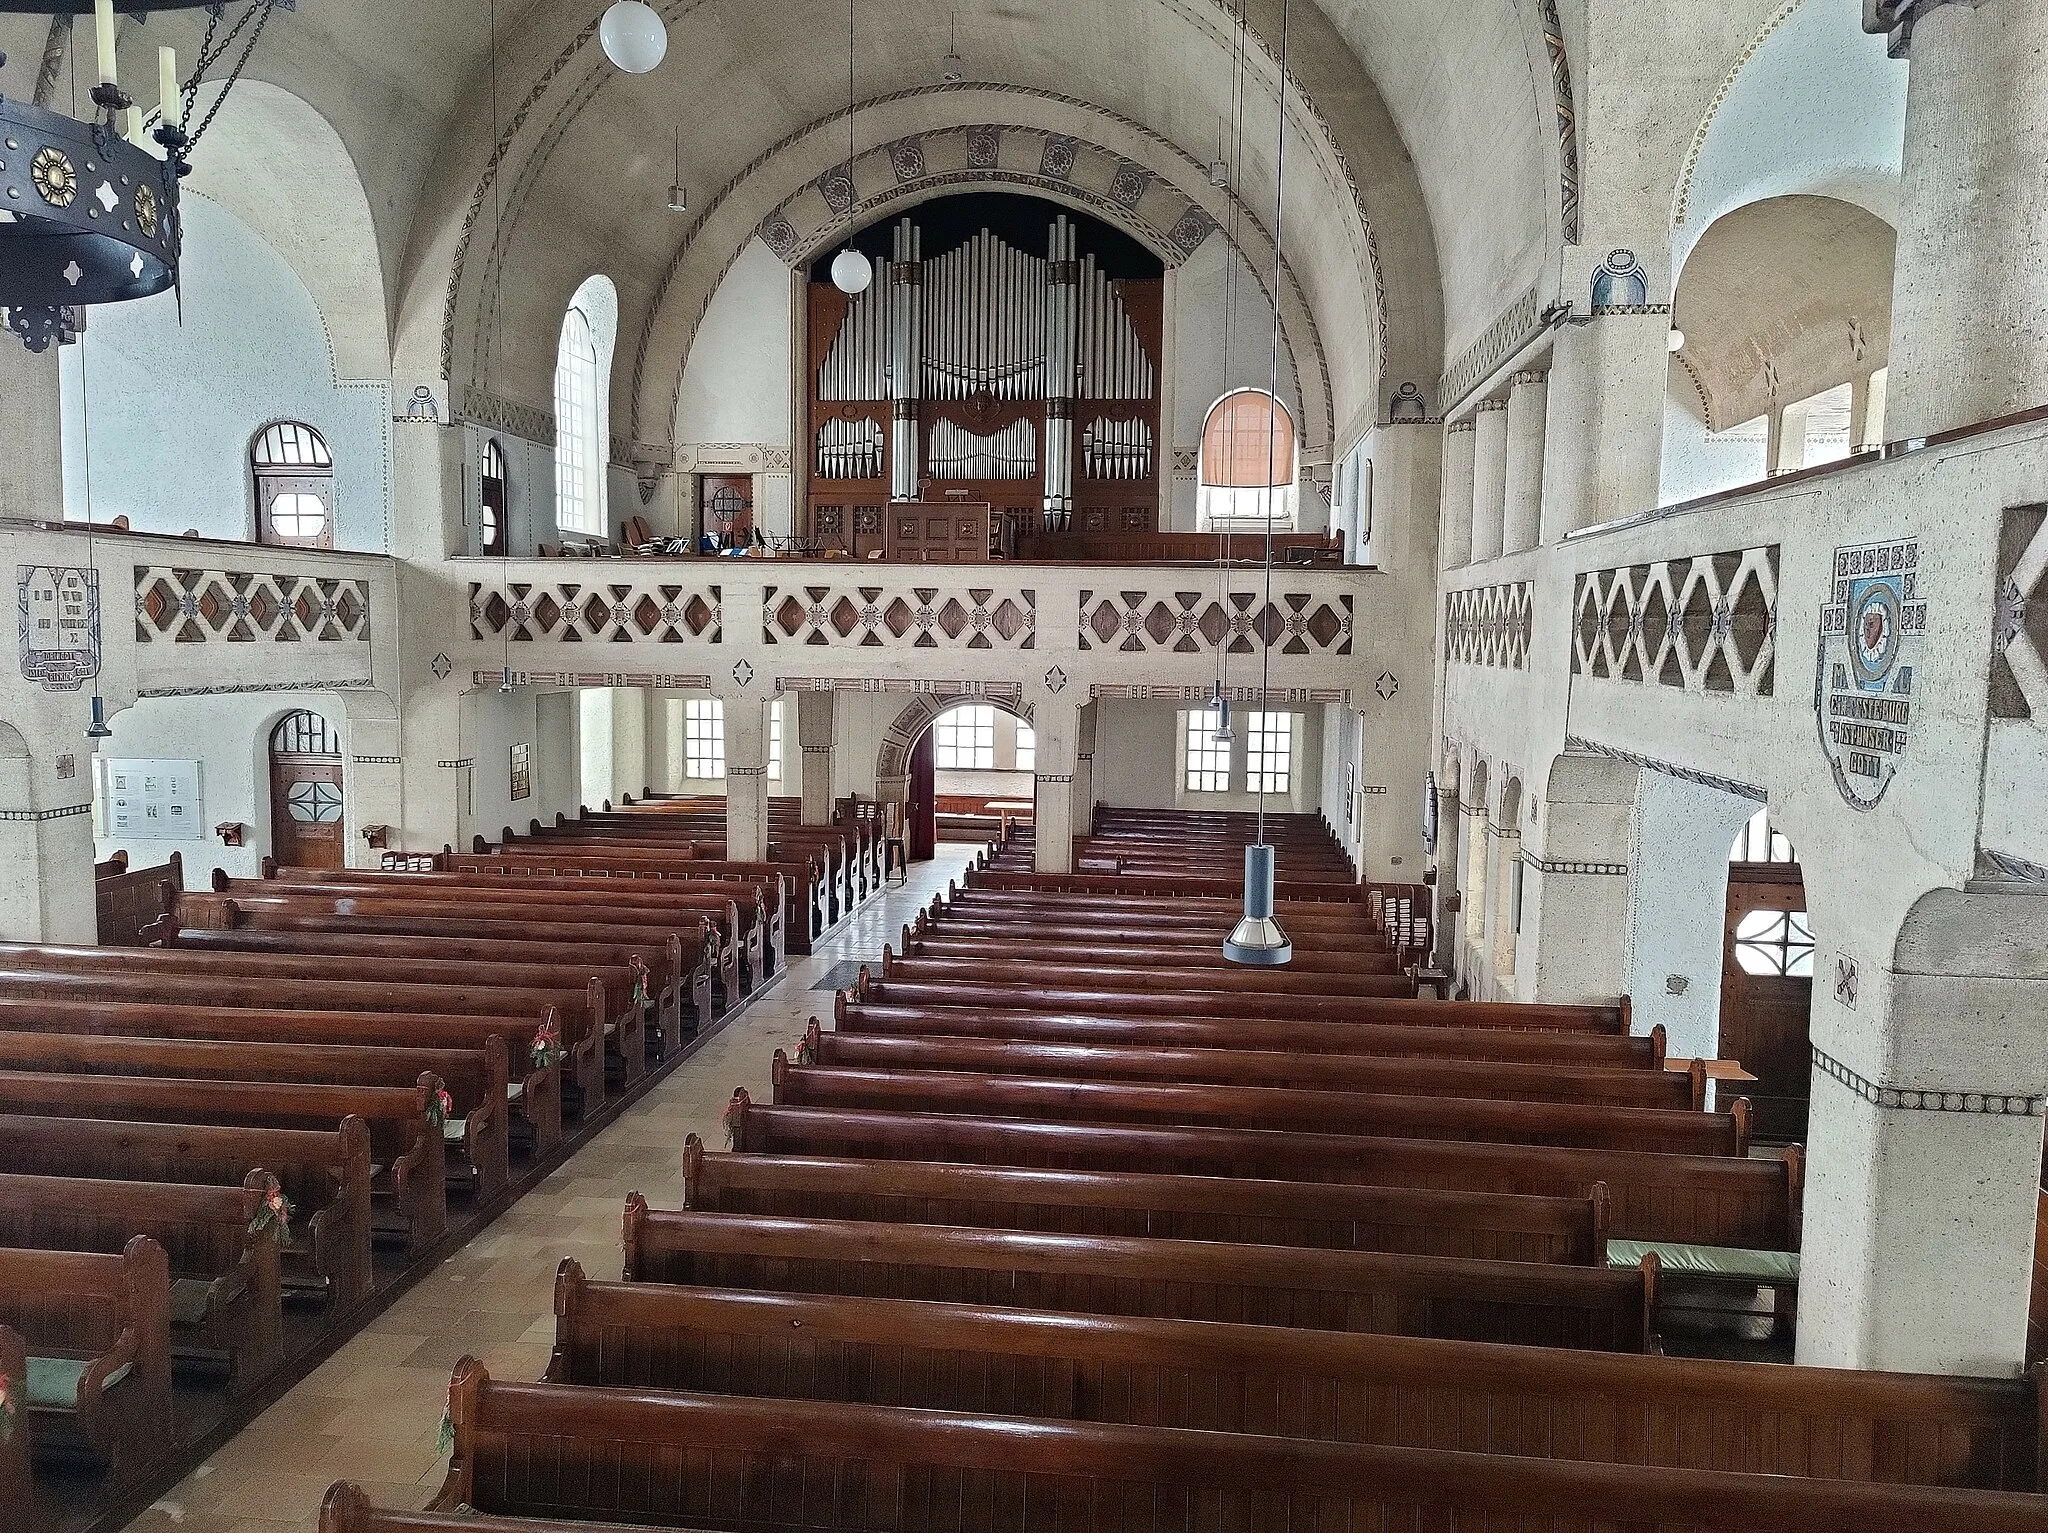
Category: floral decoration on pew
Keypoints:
(730, 1118)
(10, 1407)
(444, 1441)
(275, 1209)
(547, 1043)
(639, 970)
(440, 1108)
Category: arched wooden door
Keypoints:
(305, 792)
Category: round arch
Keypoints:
(892, 758)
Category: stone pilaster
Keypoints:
(1489, 479)
(1527, 405)
(1454, 522)
(746, 777)
(815, 718)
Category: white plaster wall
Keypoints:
(176, 399)
(1701, 462)
(501, 721)
(667, 759)
(736, 385)
(229, 736)
(1678, 899)
(1139, 764)
(1820, 108)
(1222, 339)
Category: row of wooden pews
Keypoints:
(1063, 1225)
(1208, 845)
(219, 1149)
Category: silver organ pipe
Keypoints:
(981, 321)
(855, 368)
(850, 449)
(1116, 449)
(1008, 453)
(905, 368)
(1113, 360)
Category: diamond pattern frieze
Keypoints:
(1704, 624)
(605, 612)
(1489, 626)
(188, 606)
(2019, 619)
(1197, 622)
(921, 617)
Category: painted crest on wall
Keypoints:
(58, 610)
(1871, 631)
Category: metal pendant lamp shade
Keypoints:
(1259, 937)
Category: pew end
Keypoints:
(693, 1168)
(814, 1036)
(635, 1220)
(1653, 1272)
(1696, 1074)
(465, 1392)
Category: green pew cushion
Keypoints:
(194, 1299)
(1770, 1268)
(53, 1381)
(453, 1129)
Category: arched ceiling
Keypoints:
(1433, 126)
(1784, 299)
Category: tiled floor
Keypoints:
(372, 1412)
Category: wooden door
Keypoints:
(305, 794)
(728, 501)
(1765, 1015)
(924, 801)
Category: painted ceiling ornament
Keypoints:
(1619, 282)
(1872, 629)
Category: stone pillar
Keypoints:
(1787, 450)
(1489, 479)
(1867, 397)
(1478, 841)
(32, 404)
(1604, 422)
(1575, 884)
(1970, 298)
(1454, 521)
(46, 837)
(815, 717)
(1503, 940)
(1058, 726)
(1084, 772)
(746, 777)
(1527, 402)
(1925, 1142)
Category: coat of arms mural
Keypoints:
(58, 611)
(1871, 630)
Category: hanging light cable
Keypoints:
(498, 326)
(852, 272)
(1259, 938)
(1219, 699)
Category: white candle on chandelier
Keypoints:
(103, 36)
(167, 84)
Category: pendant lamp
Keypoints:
(852, 272)
(633, 36)
(1258, 938)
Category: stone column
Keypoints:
(1084, 772)
(1867, 398)
(32, 404)
(1058, 726)
(1527, 402)
(746, 777)
(1575, 884)
(1489, 479)
(1604, 421)
(1786, 453)
(1503, 941)
(815, 717)
(1450, 827)
(46, 837)
(1970, 298)
(1925, 1141)
(1454, 521)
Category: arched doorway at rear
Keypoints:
(955, 760)
(306, 792)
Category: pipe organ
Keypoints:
(987, 372)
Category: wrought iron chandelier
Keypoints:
(88, 214)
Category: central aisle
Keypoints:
(372, 1412)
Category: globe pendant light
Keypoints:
(633, 36)
(852, 272)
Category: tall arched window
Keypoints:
(1247, 466)
(492, 481)
(294, 486)
(583, 360)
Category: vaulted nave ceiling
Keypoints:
(1442, 117)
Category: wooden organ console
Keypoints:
(985, 375)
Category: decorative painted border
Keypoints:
(2013, 867)
(1685, 774)
(378, 760)
(995, 691)
(1515, 327)
(1604, 869)
(348, 684)
(37, 816)
(1995, 1104)
(1567, 121)
(1683, 207)
(1141, 694)
(496, 678)
(457, 764)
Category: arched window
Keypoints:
(491, 481)
(294, 486)
(1247, 464)
(583, 360)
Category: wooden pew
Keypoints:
(1066, 1100)
(1246, 1067)
(1090, 950)
(1192, 1030)
(1051, 993)
(574, 1455)
(475, 1120)
(97, 1330)
(1720, 1200)
(1488, 1226)
(222, 1249)
(1019, 969)
(325, 1174)
(406, 1142)
(621, 968)
(1531, 1303)
(18, 1511)
(739, 913)
(1607, 1407)
(128, 899)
